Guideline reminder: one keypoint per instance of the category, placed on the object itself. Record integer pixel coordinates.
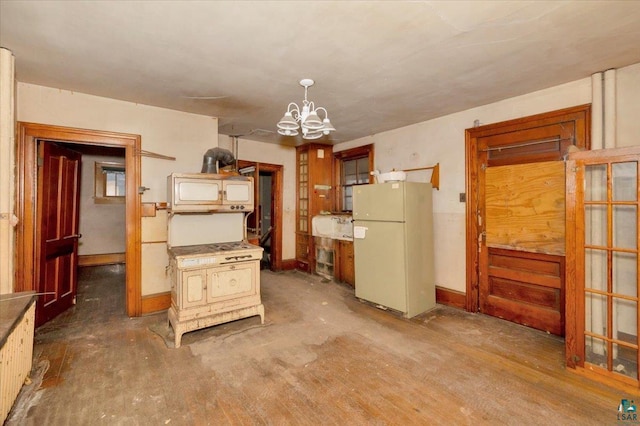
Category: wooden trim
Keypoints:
(456, 299)
(581, 115)
(277, 174)
(101, 259)
(28, 135)
(156, 302)
(600, 375)
(289, 264)
(349, 154)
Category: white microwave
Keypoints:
(205, 192)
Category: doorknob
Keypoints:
(72, 236)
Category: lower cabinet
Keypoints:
(345, 270)
(204, 297)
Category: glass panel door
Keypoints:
(607, 238)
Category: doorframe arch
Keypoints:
(26, 256)
(580, 114)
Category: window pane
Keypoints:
(120, 185)
(596, 183)
(625, 361)
(625, 180)
(625, 227)
(347, 201)
(363, 170)
(595, 351)
(595, 229)
(625, 276)
(114, 184)
(595, 261)
(595, 306)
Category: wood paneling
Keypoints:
(525, 207)
(526, 288)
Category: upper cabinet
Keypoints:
(313, 177)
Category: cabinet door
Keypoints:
(347, 270)
(193, 288)
(232, 281)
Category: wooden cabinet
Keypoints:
(313, 178)
(345, 270)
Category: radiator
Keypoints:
(16, 353)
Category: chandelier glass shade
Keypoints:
(306, 118)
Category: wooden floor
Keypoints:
(322, 357)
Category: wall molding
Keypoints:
(289, 264)
(453, 298)
(156, 302)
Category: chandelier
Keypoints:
(307, 118)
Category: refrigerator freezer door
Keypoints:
(381, 201)
(380, 264)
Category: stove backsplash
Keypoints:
(193, 229)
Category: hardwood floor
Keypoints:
(322, 357)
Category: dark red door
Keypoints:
(58, 217)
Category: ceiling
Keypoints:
(378, 65)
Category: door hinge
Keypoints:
(483, 166)
(40, 161)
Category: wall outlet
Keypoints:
(463, 197)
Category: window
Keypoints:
(109, 183)
(352, 168)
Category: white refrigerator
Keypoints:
(393, 246)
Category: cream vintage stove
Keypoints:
(215, 273)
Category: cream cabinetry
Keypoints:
(203, 295)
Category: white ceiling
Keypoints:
(378, 65)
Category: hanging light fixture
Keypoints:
(306, 118)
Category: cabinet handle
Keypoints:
(246, 256)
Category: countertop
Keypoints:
(13, 306)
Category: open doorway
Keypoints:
(27, 251)
(264, 225)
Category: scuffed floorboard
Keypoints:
(322, 357)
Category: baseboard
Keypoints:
(453, 298)
(156, 302)
(101, 259)
(289, 264)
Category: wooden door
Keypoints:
(603, 283)
(58, 215)
(518, 214)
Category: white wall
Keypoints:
(442, 140)
(281, 155)
(7, 165)
(628, 106)
(176, 134)
(102, 225)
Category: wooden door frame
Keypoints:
(276, 171)
(26, 256)
(581, 115)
